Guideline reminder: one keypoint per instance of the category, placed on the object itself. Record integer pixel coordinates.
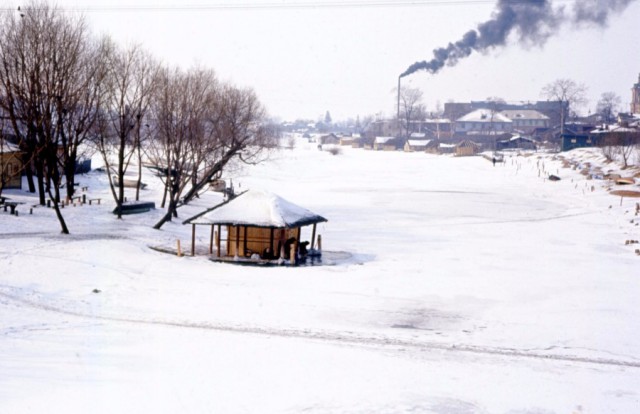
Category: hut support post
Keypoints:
(271, 242)
(237, 241)
(211, 239)
(244, 242)
(292, 253)
(313, 236)
(218, 240)
(193, 240)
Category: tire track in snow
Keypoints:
(336, 337)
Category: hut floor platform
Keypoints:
(327, 258)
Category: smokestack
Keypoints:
(399, 77)
(533, 21)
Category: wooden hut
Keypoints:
(466, 148)
(10, 165)
(416, 145)
(259, 226)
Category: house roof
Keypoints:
(484, 115)
(518, 138)
(632, 127)
(516, 114)
(6, 147)
(382, 140)
(418, 142)
(257, 209)
(438, 121)
(467, 143)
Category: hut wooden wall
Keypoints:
(11, 165)
(257, 239)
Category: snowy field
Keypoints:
(467, 289)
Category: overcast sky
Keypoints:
(304, 57)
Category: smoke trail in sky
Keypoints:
(531, 21)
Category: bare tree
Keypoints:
(240, 132)
(180, 113)
(411, 107)
(203, 126)
(79, 113)
(130, 81)
(620, 145)
(495, 105)
(10, 162)
(608, 106)
(569, 93)
(41, 53)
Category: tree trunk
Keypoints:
(120, 183)
(139, 183)
(40, 178)
(56, 208)
(29, 173)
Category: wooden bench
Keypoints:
(97, 200)
(12, 206)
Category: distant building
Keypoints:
(416, 145)
(577, 136)
(439, 128)
(379, 143)
(467, 148)
(483, 121)
(526, 120)
(330, 139)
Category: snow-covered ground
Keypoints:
(468, 288)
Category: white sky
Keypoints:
(346, 56)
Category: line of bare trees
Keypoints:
(62, 92)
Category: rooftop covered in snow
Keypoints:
(258, 209)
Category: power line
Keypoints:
(315, 4)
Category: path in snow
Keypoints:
(338, 337)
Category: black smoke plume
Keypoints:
(532, 21)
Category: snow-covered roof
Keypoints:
(615, 128)
(467, 143)
(523, 114)
(418, 135)
(438, 121)
(484, 115)
(258, 209)
(518, 137)
(418, 142)
(7, 147)
(382, 140)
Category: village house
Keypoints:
(526, 120)
(439, 128)
(349, 140)
(444, 148)
(416, 145)
(329, 139)
(577, 136)
(379, 143)
(516, 142)
(467, 148)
